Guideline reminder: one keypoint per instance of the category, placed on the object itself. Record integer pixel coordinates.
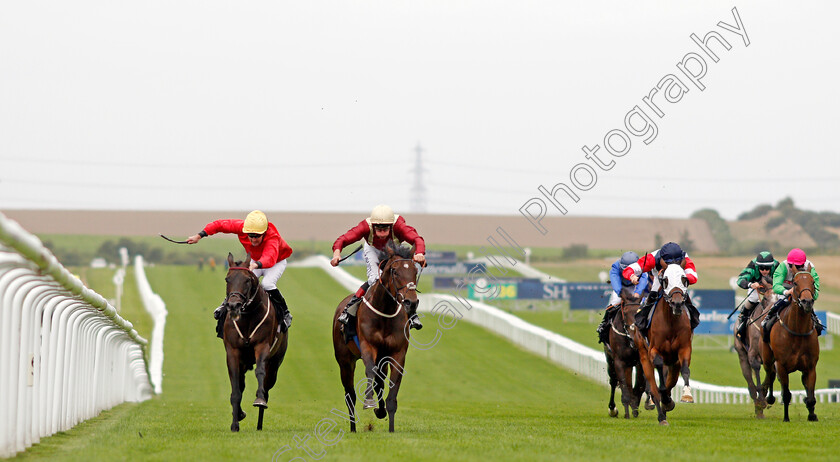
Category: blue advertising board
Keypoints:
(589, 298)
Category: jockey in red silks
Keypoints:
(268, 252)
(654, 263)
(382, 226)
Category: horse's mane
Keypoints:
(400, 251)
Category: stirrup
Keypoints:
(344, 317)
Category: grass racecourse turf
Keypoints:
(474, 396)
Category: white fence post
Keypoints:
(65, 353)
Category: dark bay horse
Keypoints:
(382, 328)
(794, 345)
(668, 350)
(622, 356)
(251, 338)
(749, 348)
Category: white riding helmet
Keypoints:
(255, 223)
(382, 215)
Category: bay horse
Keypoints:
(251, 338)
(382, 335)
(794, 345)
(749, 348)
(622, 357)
(668, 350)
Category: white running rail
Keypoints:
(555, 347)
(157, 309)
(65, 353)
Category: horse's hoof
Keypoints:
(669, 406)
(259, 402)
(234, 427)
(241, 415)
(759, 415)
(649, 406)
(635, 413)
(812, 418)
(613, 412)
(380, 413)
(771, 400)
(369, 404)
(687, 396)
(664, 423)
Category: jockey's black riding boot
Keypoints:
(220, 314)
(603, 328)
(772, 315)
(743, 317)
(279, 304)
(817, 324)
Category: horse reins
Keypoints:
(410, 286)
(248, 303)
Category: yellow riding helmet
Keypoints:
(255, 222)
(382, 215)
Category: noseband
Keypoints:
(248, 300)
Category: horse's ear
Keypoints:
(685, 281)
(247, 261)
(390, 249)
(230, 260)
(808, 267)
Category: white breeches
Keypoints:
(270, 276)
(372, 260)
(753, 296)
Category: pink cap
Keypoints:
(796, 257)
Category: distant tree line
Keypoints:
(814, 224)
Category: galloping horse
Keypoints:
(622, 356)
(794, 345)
(749, 348)
(670, 342)
(250, 336)
(382, 328)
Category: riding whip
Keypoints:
(345, 258)
(172, 240)
(742, 302)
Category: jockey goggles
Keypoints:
(255, 235)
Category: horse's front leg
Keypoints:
(261, 352)
(369, 358)
(647, 366)
(769, 375)
(613, 381)
(234, 374)
(685, 371)
(809, 381)
(786, 395)
(625, 380)
(659, 364)
(397, 366)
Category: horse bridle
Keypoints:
(398, 289)
(624, 322)
(793, 295)
(248, 300)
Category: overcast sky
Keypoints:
(319, 106)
